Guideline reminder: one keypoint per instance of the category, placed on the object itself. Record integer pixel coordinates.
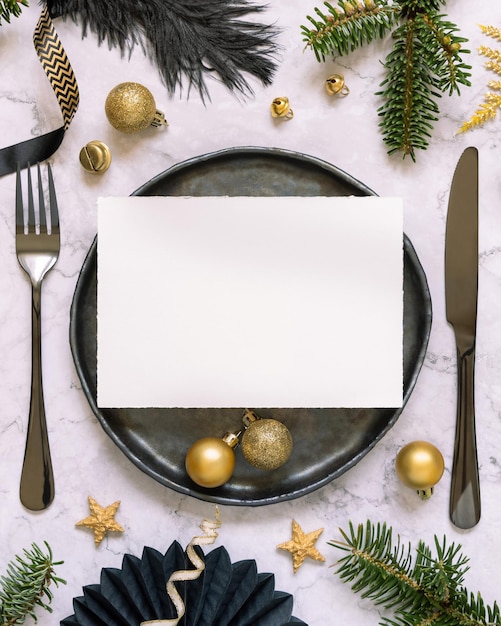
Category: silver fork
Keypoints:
(37, 252)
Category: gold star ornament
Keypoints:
(101, 520)
(302, 545)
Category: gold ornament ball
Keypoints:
(267, 444)
(210, 462)
(130, 108)
(420, 466)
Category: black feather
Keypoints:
(189, 40)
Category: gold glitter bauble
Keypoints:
(420, 465)
(210, 461)
(130, 108)
(266, 444)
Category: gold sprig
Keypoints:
(489, 53)
(491, 31)
(494, 66)
(487, 110)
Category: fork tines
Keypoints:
(42, 212)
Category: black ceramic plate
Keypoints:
(327, 442)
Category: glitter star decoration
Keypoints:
(101, 520)
(302, 545)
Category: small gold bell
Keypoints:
(95, 157)
(335, 85)
(280, 107)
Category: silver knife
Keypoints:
(461, 283)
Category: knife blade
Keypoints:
(461, 291)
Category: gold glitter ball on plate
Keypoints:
(302, 545)
(101, 520)
(130, 107)
(266, 443)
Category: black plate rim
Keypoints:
(208, 495)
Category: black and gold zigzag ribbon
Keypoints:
(57, 66)
(62, 79)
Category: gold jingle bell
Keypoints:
(335, 86)
(130, 107)
(95, 157)
(280, 107)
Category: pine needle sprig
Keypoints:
(424, 63)
(26, 585)
(426, 589)
(347, 26)
(409, 95)
(11, 8)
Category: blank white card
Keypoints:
(250, 302)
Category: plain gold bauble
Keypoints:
(266, 444)
(420, 466)
(210, 462)
(130, 107)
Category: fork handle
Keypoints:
(37, 478)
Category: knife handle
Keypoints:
(465, 487)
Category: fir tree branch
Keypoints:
(441, 46)
(425, 591)
(409, 108)
(26, 585)
(11, 8)
(424, 63)
(349, 25)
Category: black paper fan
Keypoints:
(225, 594)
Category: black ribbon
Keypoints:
(62, 79)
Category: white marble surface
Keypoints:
(343, 132)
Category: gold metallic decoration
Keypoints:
(302, 545)
(209, 528)
(95, 157)
(101, 520)
(280, 107)
(130, 108)
(420, 466)
(335, 85)
(266, 443)
(210, 461)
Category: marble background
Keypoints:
(341, 131)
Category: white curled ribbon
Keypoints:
(209, 528)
